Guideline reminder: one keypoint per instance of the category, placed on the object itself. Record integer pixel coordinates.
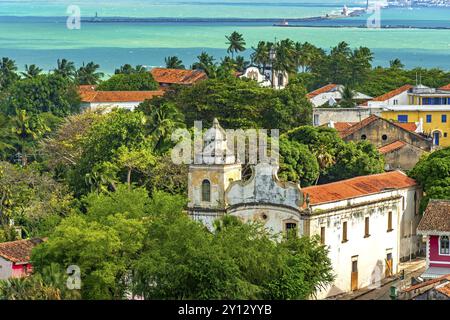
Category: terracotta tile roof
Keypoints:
(436, 217)
(18, 251)
(359, 125)
(446, 87)
(444, 289)
(323, 89)
(410, 126)
(396, 145)
(87, 87)
(177, 76)
(393, 93)
(358, 187)
(342, 126)
(119, 96)
(436, 281)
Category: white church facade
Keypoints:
(367, 223)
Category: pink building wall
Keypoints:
(19, 271)
(433, 243)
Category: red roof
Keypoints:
(396, 145)
(86, 87)
(410, 126)
(358, 187)
(323, 89)
(436, 281)
(18, 251)
(118, 96)
(342, 126)
(177, 76)
(393, 93)
(436, 217)
(446, 87)
(359, 125)
(444, 289)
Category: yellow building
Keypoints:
(429, 108)
(434, 120)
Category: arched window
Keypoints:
(206, 191)
(280, 79)
(444, 245)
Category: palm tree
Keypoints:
(65, 69)
(8, 74)
(129, 69)
(31, 71)
(396, 64)
(285, 56)
(236, 43)
(241, 64)
(260, 55)
(164, 120)
(172, 62)
(205, 63)
(27, 128)
(348, 98)
(324, 158)
(87, 74)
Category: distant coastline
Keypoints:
(310, 22)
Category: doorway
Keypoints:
(388, 271)
(354, 276)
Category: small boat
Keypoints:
(283, 23)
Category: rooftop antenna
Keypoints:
(416, 79)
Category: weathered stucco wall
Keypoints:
(325, 115)
(381, 133)
(371, 251)
(5, 269)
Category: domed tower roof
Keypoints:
(215, 147)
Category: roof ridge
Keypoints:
(358, 177)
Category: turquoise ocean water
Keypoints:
(36, 32)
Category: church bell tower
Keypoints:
(210, 175)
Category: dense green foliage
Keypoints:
(126, 232)
(336, 159)
(104, 190)
(129, 82)
(241, 104)
(433, 173)
(43, 93)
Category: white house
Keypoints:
(368, 223)
(332, 94)
(106, 100)
(264, 77)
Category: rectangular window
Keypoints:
(344, 232)
(291, 229)
(402, 118)
(395, 102)
(389, 229)
(444, 245)
(322, 235)
(429, 118)
(366, 228)
(444, 118)
(316, 120)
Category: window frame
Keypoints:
(440, 246)
(390, 219)
(366, 227)
(204, 182)
(344, 234)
